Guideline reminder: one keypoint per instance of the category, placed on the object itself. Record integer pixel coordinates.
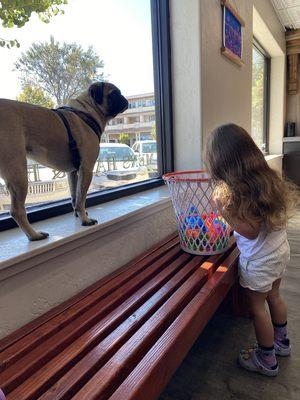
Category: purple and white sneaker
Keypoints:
(2, 397)
(250, 360)
(282, 347)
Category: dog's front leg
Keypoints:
(18, 190)
(73, 179)
(84, 179)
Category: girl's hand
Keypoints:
(216, 203)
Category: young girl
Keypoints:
(256, 203)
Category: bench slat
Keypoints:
(169, 351)
(111, 375)
(24, 345)
(107, 347)
(94, 345)
(59, 340)
(149, 254)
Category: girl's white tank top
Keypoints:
(264, 244)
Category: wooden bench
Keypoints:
(123, 337)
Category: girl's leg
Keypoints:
(278, 312)
(277, 305)
(261, 359)
(262, 322)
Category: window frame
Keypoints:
(267, 79)
(161, 47)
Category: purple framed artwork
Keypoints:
(232, 46)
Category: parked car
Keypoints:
(146, 150)
(117, 162)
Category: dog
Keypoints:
(65, 140)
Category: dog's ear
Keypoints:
(96, 92)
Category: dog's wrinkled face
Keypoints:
(108, 98)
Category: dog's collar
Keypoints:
(88, 119)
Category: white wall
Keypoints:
(271, 36)
(225, 88)
(186, 85)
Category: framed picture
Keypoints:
(232, 46)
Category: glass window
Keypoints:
(149, 147)
(260, 97)
(22, 77)
(117, 153)
(150, 103)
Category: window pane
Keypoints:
(87, 32)
(258, 98)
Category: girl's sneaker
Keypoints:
(250, 360)
(282, 347)
(2, 397)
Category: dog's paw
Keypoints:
(89, 222)
(38, 236)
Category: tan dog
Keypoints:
(40, 134)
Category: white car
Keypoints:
(116, 161)
(146, 150)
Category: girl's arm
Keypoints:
(249, 231)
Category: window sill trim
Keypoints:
(269, 157)
(19, 255)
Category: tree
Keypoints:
(18, 12)
(35, 95)
(62, 70)
(257, 98)
(153, 132)
(124, 138)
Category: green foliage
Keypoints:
(35, 95)
(124, 138)
(257, 97)
(18, 12)
(9, 43)
(153, 132)
(62, 70)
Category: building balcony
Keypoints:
(133, 126)
(138, 110)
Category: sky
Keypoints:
(119, 31)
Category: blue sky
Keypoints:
(119, 30)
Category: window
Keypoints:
(149, 118)
(150, 103)
(118, 152)
(149, 147)
(260, 96)
(133, 120)
(146, 71)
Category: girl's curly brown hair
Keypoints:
(249, 189)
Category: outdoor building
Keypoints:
(138, 121)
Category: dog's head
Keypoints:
(108, 98)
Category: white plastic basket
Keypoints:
(201, 230)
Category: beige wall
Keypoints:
(186, 82)
(267, 12)
(225, 88)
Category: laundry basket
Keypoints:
(201, 229)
